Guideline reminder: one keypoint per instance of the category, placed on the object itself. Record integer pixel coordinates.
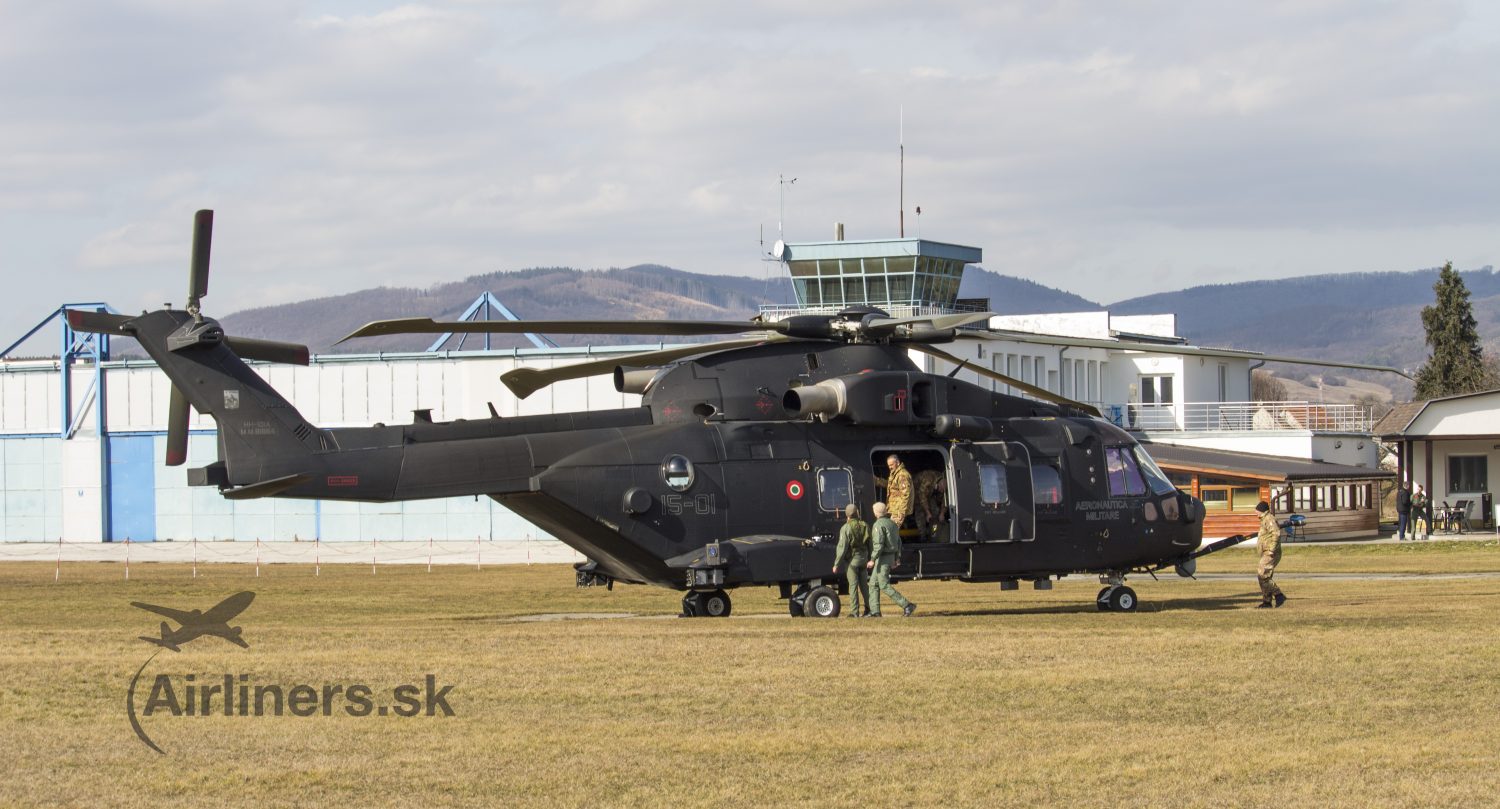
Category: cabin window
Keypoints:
(1046, 485)
(1468, 474)
(677, 472)
(993, 490)
(1123, 473)
(835, 489)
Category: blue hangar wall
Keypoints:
(74, 473)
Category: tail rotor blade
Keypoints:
(203, 236)
(177, 428)
(251, 348)
(98, 322)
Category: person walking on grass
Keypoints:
(885, 552)
(1269, 543)
(854, 548)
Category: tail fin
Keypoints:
(165, 640)
(261, 435)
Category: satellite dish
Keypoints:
(778, 249)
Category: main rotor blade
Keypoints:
(203, 236)
(177, 428)
(937, 322)
(250, 348)
(525, 381)
(99, 322)
(684, 328)
(1032, 390)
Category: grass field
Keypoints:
(1377, 691)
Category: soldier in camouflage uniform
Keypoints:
(854, 547)
(1269, 543)
(931, 506)
(885, 547)
(898, 490)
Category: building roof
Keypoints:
(1266, 467)
(1401, 416)
(1395, 423)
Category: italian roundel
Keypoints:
(794, 490)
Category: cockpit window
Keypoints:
(1124, 475)
(1155, 478)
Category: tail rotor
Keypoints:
(197, 333)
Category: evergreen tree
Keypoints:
(1457, 363)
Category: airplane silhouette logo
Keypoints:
(193, 624)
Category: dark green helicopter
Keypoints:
(733, 471)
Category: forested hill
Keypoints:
(1359, 317)
(562, 293)
(1367, 317)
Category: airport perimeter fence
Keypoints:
(257, 553)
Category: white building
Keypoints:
(1449, 446)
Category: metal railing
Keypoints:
(1242, 416)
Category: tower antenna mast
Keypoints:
(784, 182)
(901, 141)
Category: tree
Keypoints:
(1265, 387)
(1457, 362)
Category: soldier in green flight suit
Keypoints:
(885, 548)
(854, 548)
(1268, 541)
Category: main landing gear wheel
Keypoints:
(714, 605)
(1117, 598)
(706, 605)
(822, 602)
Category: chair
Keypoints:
(1460, 515)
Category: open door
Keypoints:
(992, 492)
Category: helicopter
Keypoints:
(736, 467)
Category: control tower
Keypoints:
(904, 277)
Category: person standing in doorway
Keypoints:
(898, 490)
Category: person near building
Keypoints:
(1421, 514)
(1403, 510)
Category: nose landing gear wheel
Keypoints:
(822, 602)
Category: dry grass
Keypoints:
(1358, 693)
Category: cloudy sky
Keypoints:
(1106, 148)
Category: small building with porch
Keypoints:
(1448, 446)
